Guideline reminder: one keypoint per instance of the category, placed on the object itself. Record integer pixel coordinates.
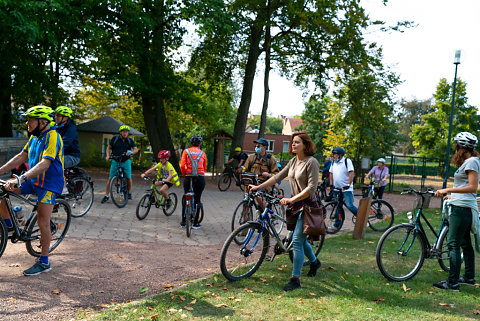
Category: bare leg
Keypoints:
(164, 190)
(44, 212)
(107, 189)
(129, 184)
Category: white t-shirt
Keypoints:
(461, 177)
(340, 173)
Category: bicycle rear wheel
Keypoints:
(400, 252)
(80, 196)
(173, 205)
(381, 216)
(188, 217)
(3, 237)
(224, 182)
(333, 220)
(143, 207)
(241, 261)
(119, 191)
(59, 224)
(444, 253)
(200, 213)
(316, 247)
(277, 223)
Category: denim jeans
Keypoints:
(301, 248)
(348, 199)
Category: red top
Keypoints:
(186, 163)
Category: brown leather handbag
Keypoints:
(313, 220)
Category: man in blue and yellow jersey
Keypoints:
(44, 152)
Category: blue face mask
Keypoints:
(337, 160)
(258, 150)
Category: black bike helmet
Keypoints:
(338, 150)
(466, 140)
(196, 140)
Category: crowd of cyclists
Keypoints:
(53, 146)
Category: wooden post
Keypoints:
(362, 218)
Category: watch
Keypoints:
(24, 177)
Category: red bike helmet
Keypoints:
(164, 154)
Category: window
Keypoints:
(285, 146)
(270, 145)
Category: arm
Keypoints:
(149, 171)
(183, 163)
(351, 174)
(17, 160)
(108, 152)
(170, 175)
(331, 179)
(269, 182)
(470, 188)
(313, 170)
(134, 150)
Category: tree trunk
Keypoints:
(250, 68)
(266, 89)
(5, 103)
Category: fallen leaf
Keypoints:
(56, 291)
(104, 305)
(474, 297)
(312, 294)
(183, 316)
(263, 280)
(128, 301)
(172, 310)
(280, 296)
(223, 305)
(378, 300)
(476, 312)
(299, 319)
(11, 299)
(193, 302)
(181, 298)
(167, 286)
(447, 305)
(280, 269)
(270, 299)
(238, 300)
(369, 309)
(341, 277)
(300, 299)
(248, 290)
(143, 290)
(210, 285)
(272, 276)
(154, 317)
(101, 291)
(150, 308)
(225, 289)
(404, 287)
(231, 298)
(371, 242)
(14, 265)
(188, 308)
(331, 268)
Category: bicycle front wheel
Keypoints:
(380, 217)
(400, 252)
(143, 207)
(119, 191)
(224, 182)
(241, 261)
(80, 196)
(3, 236)
(316, 247)
(333, 220)
(59, 224)
(168, 210)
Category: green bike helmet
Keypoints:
(39, 112)
(124, 127)
(64, 111)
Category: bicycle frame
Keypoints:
(18, 230)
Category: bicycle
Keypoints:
(154, 197)
(118, 185)
(381, 215)
(29, 232)
(225, 180)
(80, 192)
(191, 208)
(378, 219)
(403, 248)
(240, 258)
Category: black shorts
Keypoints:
(168, 184)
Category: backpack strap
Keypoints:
(269, 160)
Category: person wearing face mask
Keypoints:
(342, 173)
(261, 163)
(67, 128)
(44, 153)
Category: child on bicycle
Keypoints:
(166, 174)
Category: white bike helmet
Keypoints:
(466, 140)
(382, 160)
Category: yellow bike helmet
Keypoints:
(124, 127)
(64, 111)
(39, 112)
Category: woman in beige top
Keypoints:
(302, 171)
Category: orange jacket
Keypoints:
(186, 163)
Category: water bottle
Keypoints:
(18, 213)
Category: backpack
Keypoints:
(354, 177)
(269, 158)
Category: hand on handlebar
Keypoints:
(441, 192)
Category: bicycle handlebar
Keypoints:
(413, 191)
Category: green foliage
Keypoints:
(274, 124)
(361, 116)
(430, 136)
(315, 121)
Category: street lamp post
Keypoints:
(456, 62)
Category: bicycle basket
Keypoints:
(376, 183)
(418, 201)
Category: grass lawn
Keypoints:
(348, 287)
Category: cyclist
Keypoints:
(121, 145)
(380, 175)
(240, 157)
(67, 128)
(44, 153)
(166, 174)
(341, 176)
(261, 163)
(194, 163)
(463, 209)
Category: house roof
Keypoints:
(106, 125)
(290, 124)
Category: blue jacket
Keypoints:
(70, 138)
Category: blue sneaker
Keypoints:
(37, 268)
